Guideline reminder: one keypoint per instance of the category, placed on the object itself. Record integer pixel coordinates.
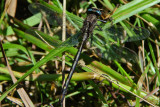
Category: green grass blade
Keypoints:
(131, 9)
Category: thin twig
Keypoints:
(44, 39)
(63, 39)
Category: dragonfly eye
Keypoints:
(90, 9)
(99, 12)
(94, 10)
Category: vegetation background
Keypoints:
(31, 67)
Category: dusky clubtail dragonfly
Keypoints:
(114, 33)
(87, 30)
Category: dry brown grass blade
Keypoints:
(15, 100)
(11, 7)
(151, 93)
(24, 96)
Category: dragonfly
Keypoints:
(87, 30)
(114, 33)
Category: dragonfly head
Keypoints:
(95, 10)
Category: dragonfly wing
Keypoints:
(72, 40)
(122, 54)
(44, 36)
(114, 52)
(52, 17)
(54, 40)
(118, 33)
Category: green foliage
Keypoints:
(39, 53)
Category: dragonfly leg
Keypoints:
(99, 26)
(110, 14)
(104, 21)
